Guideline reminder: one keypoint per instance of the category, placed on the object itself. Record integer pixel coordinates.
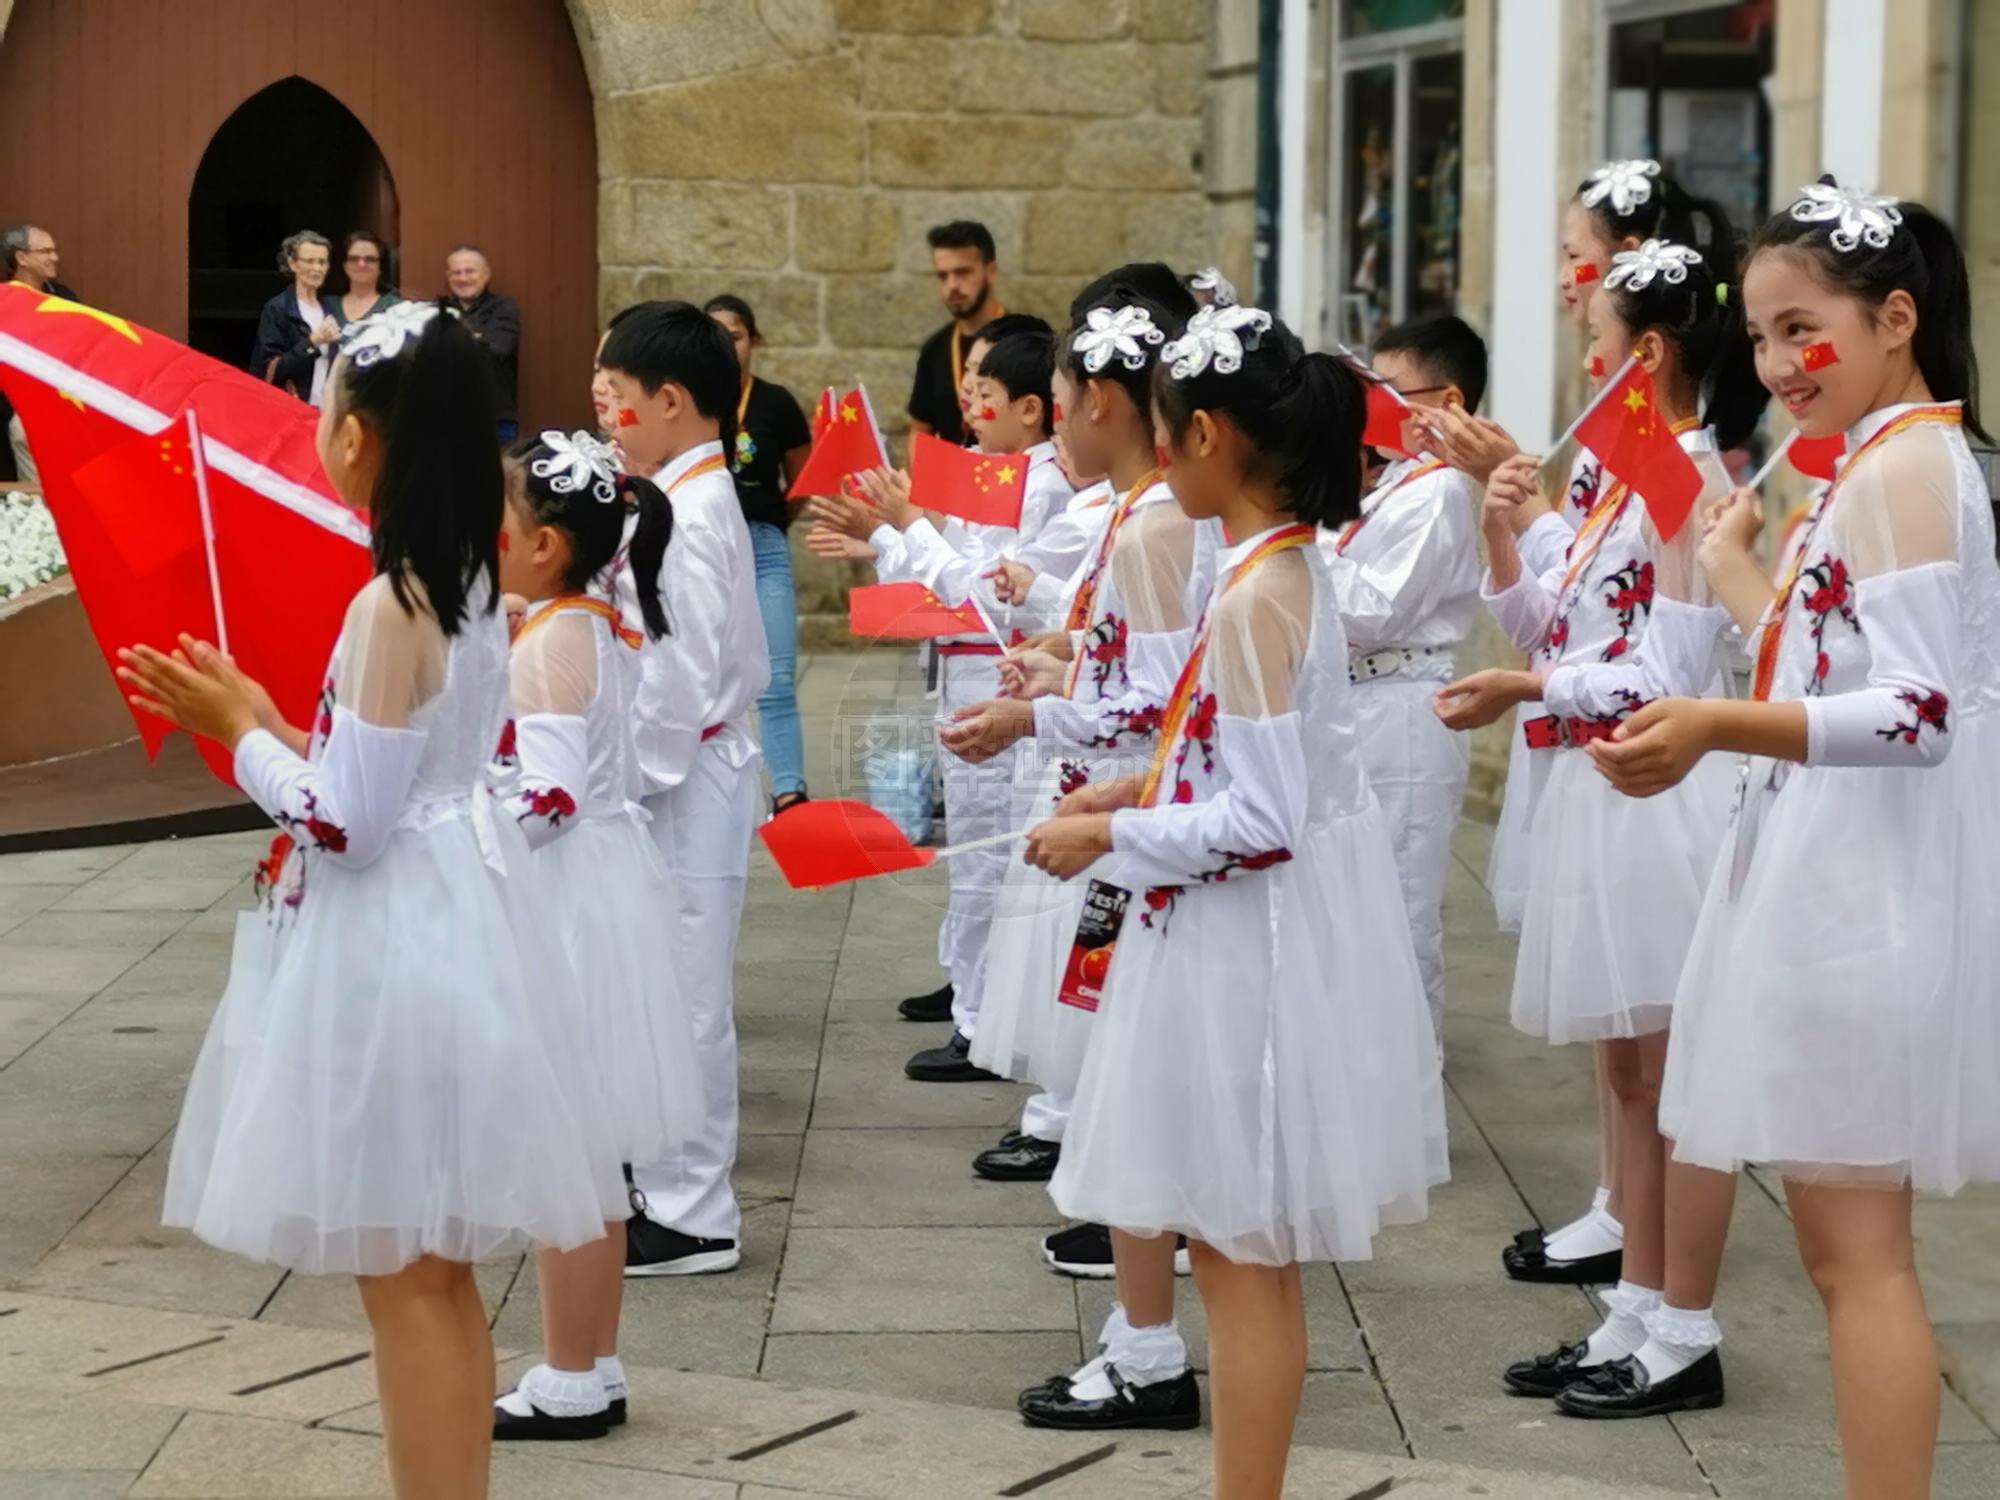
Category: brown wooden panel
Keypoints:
(486, 130)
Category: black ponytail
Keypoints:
(1923, 257)
(648, 552)
(593, 515)
(1701, 315)
(435, 511)
(1303, 414)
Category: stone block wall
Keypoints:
(795, 151)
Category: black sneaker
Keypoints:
(1173, 1405)
(1027, 1160)
(951, 1063)
(1084, 1250)
(936, 1006)
(654, 1250)
(1623, 1389)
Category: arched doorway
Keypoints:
(291, 157)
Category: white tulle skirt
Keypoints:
(1024, 1034)
(393, 1073)
(1507, 866)
(1262, 1074)
(615, 899)
(1837, 1017)
(1616, 888)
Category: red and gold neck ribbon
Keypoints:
(709, 465)
(1086, 591)
(1181, 701)
(1766, 675)
(1348, 532)
(581, 604)
(1597, 524)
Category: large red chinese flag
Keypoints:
(824, 843)
(962, 482)
(849, 445)
(289, 556)
(1633, 441)
(906, 612)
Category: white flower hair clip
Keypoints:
(1628, 184)
(576, 462)
(1219, 288)
(1122, 333)
(1859, 218)
(1635, 270)
(382, 335)
(1216, 336)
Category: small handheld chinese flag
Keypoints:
(823, 412)
(906, 612)
(1387, 410)
(849, 445)
(1816, 458)
(1634, 442)
(826, 843)
(962, 482)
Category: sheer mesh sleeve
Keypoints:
(1895, 522)
(345, 802)
(554, 674)
(1247, 726)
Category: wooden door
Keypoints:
(480, 112)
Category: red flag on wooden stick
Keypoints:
(962, 482)
(1634, 442)
(850, 444)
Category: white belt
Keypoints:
(1398, 661)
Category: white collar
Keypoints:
(1235, 552)
(1698, 440)
(676, 468)
(1882, 416)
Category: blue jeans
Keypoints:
(778, 709)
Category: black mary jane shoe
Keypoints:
(951, 1063)
(614, 1415)
(1623, 1389)
(539, 1426)
(1169, 1405)
(1548, 1374)
(1528, 1260)
(936, 1006)
(1027, 1160)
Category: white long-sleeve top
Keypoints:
(1407, 572)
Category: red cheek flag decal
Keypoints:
(963, 482)
(106, 404)
(1583, 272)
(826, 843)
(906, 612)
(1624, 428)
(1818, 356)
(1597, 370)
(850, 444)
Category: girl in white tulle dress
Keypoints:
(1836, 1015)
(388, 1088)
(571, 783)
(1130, 618)
(1262, 1074)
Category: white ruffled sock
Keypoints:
(1594, 1234)
(611, 1371)
(1675, 1338)
(1144, 1356)
(558, 1393)
(1624, 1327)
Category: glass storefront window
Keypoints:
(1368, 287)
(1369, 17)
(1690, 91)
(1431, 258)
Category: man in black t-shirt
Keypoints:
(962, 256)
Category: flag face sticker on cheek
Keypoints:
(1819, 356)
(1597, 366)
(1583, 272)
(627, 417)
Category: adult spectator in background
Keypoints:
(963, 259)
(496, 322)
(772, 441)
(31, 261)
(297, 333)
(363, 261)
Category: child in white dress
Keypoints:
(387, 1089)
(1835, 1017)
(600, 881)
(1262, 1075)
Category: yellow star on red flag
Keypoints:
(64, 305)
(1006, 473)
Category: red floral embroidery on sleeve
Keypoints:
(554, 804)
(1830, 597)
(1073, 777)
(1162, 899)
(1104, 648)
(1130, 723)
(1629, 595)
(506, 754)
(1927, 711)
